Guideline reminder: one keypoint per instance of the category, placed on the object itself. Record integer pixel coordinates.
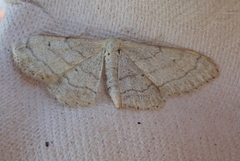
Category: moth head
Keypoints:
(113, 44)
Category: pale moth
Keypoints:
(137, 75)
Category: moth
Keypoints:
(138, 75)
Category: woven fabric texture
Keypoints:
(203, 125)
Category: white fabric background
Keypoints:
(2, 9)
(203, 125)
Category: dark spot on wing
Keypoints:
(118, 51)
